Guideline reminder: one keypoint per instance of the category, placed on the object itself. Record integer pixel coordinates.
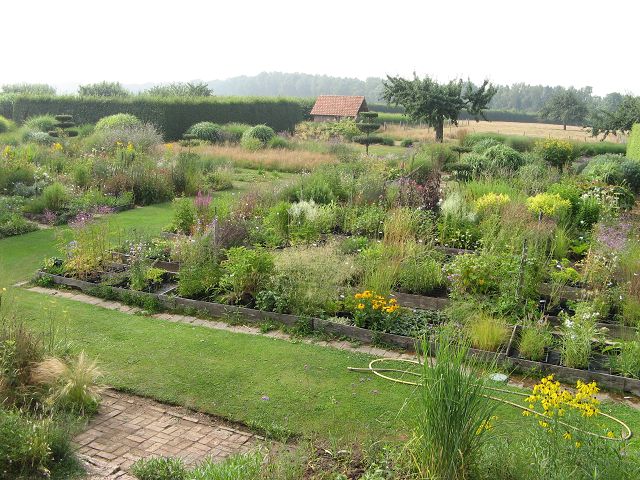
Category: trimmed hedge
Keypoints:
(173, 116)
(633, 145)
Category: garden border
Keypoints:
(609, 381)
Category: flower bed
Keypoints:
(507, 355)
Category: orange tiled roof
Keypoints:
(339, 105)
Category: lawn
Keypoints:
(21, 255)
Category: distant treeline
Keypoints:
(173, 116)
(519, 97)
(491, 115)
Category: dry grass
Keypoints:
(267, 159)
(540, 130)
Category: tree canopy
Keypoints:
(29, 89)
(567, 107)
(103, 89)
(180, 89)
(621, 120)
(429, 101)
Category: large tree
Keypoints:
(431, 102)
(566, 106)
(621, 120)
(103, 89)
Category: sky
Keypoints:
(559, 42)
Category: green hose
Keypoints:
(626, 432)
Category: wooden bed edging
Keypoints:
(609, 381)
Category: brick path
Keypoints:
(128, 428)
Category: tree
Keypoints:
(367, 125)
(427, 100)
(566, 106)
(621, 120)
(29, 89)
(197, 89)
(103, 89)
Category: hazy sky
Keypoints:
(565, 42)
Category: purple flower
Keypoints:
(265, 398)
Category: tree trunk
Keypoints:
(439, 128)
(564, 126)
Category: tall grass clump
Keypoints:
(452, 416)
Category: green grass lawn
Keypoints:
(20, 256)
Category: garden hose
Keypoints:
(372, 368)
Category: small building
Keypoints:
(332, 108)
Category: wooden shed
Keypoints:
(331, 108)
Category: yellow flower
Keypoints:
(543, 424)
(360, 306)
(567, 436)
(57, 146)
(526, 413)
(610, 434)
(578, 444)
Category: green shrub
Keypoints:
(627, 360)
(420, 271)
(487, 332)
(521, 143)
(160, 468)
(184, 215)
(5, 124)
(474, 138)
(239, 466)
(40, 123)
(199, 268)
(502, 157)
(29, 446)
(245, 272)
(630, 170)
(251, 144)
(534, 340)
(233, 131)
(556, 153)
(279, 142)
(260, 132)
(218, 180)
(633, 144)
(605, 168)
(117, 121)
(483, 145)
(407, 142)
(207, 131)
(12, 223)
(55, 197)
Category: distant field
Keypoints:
(508, 128)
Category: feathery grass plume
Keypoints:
(72, 384)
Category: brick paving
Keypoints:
(128, 428)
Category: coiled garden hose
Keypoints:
(373, 368)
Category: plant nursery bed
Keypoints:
(506, 356)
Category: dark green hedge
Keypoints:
(172, 115)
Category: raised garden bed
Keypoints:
(507, 356)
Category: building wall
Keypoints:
(327, 118)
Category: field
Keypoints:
(302, 248)
(538, 130)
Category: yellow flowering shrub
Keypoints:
(491, 201)
(373, 311)
(557, 407)
(548, 204)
